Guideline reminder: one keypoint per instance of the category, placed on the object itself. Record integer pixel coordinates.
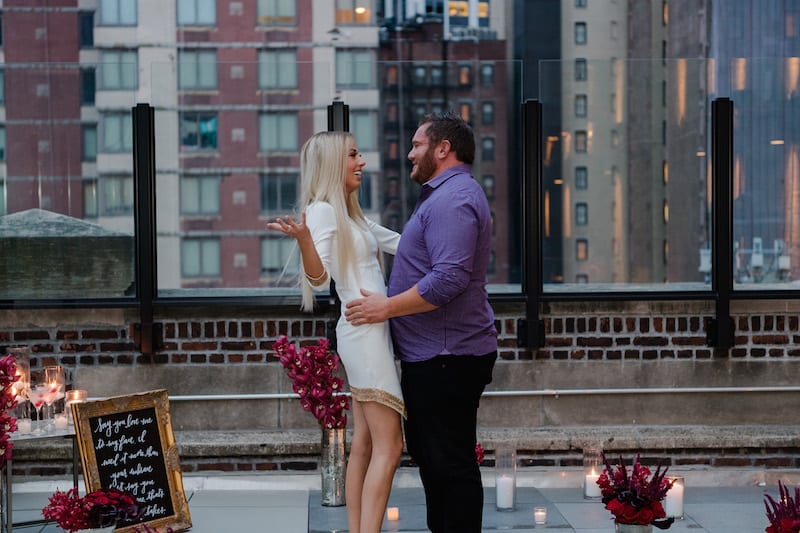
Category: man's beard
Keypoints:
(426, 166)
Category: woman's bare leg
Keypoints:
(357, 464)
(387, 447)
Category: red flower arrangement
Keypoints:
(479, 453)
(312, 370)
(783, 515)
(635, 497)
(8, 400)
(101, 508)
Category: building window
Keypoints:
(581, 214)
(200, 195)
(3, 209)
(2, 143)
(277, 255)
(354, 68)
(278, 193)
(118, 70)
(197, 12)
(581, 141)
(487, 149)
(197, 69)
(580, 33)
(465, 110)
(277, 132)
(277, 69)
(464, 75)
(363, 126)
(86, 29)
(420, 75)
(488, 186)
(353, 11)
(117, 13)
(88, 86)
(277, 12)
(116, 193)
(391, 112)
(391, 76)
(437, 77)
(2, 86)
(487, 75)
(365, 192)
(117, 133)
(89, 142)
(581, 178)
(580, 105)
(198, 131)
(487, 113)
(615, 139)
(491, 268)
(580, 70)
(580, 3)
(581, 278)
(90, 198)
(200, 258)
(581, 249)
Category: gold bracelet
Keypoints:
(318, 278)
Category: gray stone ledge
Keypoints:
(254, 443)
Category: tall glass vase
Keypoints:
(632, 528)
(332, 467)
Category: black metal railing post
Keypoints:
(530, 330)
(147, 335)
(721, 329)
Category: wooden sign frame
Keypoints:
(120, 409)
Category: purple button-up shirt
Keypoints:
(445, 250)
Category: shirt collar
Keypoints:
(446, 175)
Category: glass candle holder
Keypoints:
(539, 515)
(592, 467)
(673, 502)
(505, 478)
(74, 396)
(20, 387)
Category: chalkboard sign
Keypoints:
(127, 443)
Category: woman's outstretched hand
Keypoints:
(290, 227)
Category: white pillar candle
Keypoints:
(393, 513)
(540, 515)
(505, 492)
(24, 425)
(61, 421)
(590, 487)
(673, 503)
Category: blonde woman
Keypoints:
(337, 242)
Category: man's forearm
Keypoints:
(408, 303)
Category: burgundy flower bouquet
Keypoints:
(8, 400)
(98, 509)
(312, 370)
(635, 497)
(783, 515)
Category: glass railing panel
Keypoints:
(625, 192)
(766, 172)
(66, 184)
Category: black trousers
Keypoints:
(442, 397)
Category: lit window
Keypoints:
(197, 12)
(464, 75)
(465, 110)
(581, 249)
(200, 195)
(198, 131)
(200, 258)
(277, 69)
(197, 69)
(391, 75)
(353, 12)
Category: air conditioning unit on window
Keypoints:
(705, 261)
(757, 258)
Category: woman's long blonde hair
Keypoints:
(323, 171)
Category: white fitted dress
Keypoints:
(366, 350)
